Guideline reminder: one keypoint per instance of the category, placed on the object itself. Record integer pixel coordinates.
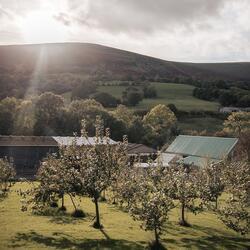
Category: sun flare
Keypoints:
(41, 26)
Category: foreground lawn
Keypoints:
(22, 230)
(178, 94)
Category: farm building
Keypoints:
(141, 150)
(234, 109)
(196, 151)
(27, 152)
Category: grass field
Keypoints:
(22, 230)
(178, 94)
(210, 124)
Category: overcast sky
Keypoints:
(179, 30)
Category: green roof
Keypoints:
(198, 161)
(202, 146)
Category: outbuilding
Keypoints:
(27, 152)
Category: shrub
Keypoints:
(62, 208)
(53, 204)
(106, 99)
(78, 213)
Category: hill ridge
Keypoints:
(103, 61)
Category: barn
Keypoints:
(27, 152)
(198, 150)
(195, 151)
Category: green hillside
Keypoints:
(110, 63)
(178, 94)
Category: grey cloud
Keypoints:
(63, 18)
(143, 15)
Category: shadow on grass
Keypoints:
(66, 218)
(3, 196)
(63, 241)
(211, 242)
(214, 239)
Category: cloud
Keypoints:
(145, 16)
(63, 18)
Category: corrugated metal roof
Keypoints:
(198, 161)
(69, 140)
(46, 141)
(202, 146)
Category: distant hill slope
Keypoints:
(105, 62)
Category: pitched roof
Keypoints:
(69, 140)
(49, 141)
(27, 141)
(202, 146)
(134, 148)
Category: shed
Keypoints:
(144, 152)
(197, 149)
(27, 152)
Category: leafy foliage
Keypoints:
(7, 174)
(147, 197)
(84, 90)
(105, 99)
(235, 213)
(237, 123)
(149, 91)
(186, 190)
(211, 183)
(160, 123)
(131, 96)
(47, 111)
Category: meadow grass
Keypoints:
(24, 230)
(210, 124)
(178, 94)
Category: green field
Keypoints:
(22, 230)
(178, 94)
(210, 124)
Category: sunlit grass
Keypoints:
(23, 230)
(178, 94)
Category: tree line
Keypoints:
(47, 114)
(228, 94)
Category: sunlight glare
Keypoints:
(42, 27)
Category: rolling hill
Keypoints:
(109, 63)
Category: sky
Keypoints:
(177, 30)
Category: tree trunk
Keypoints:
(97, 223)
(73, 202)
(182, 220)
(156, 237)
(216, 202)
(62, 200)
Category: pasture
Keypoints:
(24, 230)
(210, 124)
(178, 94)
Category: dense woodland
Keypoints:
(236, 94)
